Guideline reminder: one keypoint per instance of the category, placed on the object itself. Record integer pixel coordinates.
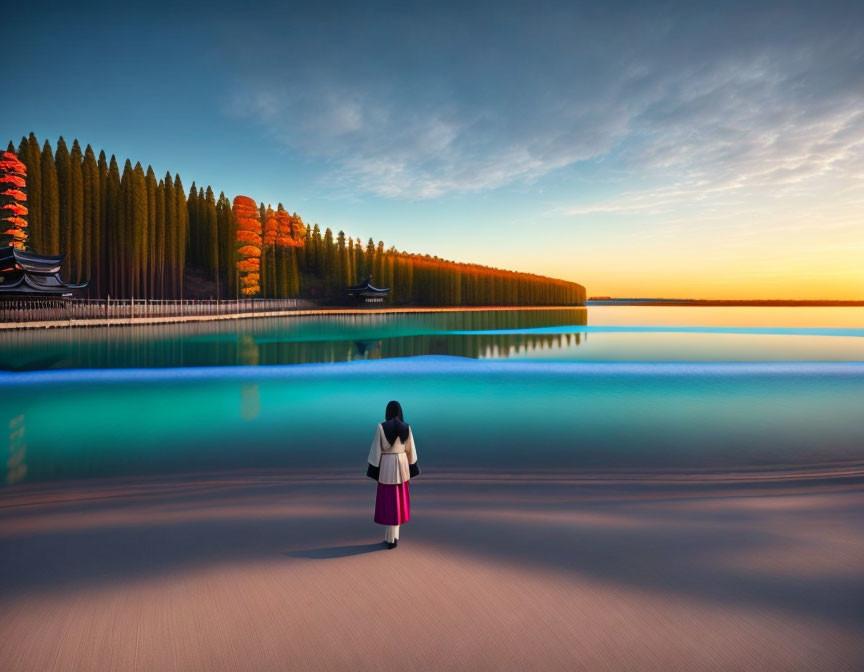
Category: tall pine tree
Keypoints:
(75, 203)
(181, 232)
(31, 155)
(61, 159)
(50, 210)
(113, 230)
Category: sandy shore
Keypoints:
(277, 572)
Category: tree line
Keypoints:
(133, 234)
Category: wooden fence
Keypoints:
(51, 310)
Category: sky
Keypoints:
(674, 149)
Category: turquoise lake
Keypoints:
(602, 388)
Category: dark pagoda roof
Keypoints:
(366, 289)
(30, 274)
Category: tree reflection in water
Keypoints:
(16, 465)
(248, 355)
(293, 340)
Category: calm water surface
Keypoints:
(602, 388)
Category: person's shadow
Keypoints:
(337, 551)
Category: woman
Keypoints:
(393, 462)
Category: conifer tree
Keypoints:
(378, 266)
(99, 253)
(32, 158)
(113, 229)
(349, 271)
(294, 272)
(305, 258)
(161, 217)
(125, 242)
(359, 262)
(369, 259)
(139, 229)
(204, 242)
(192, 209)
(316, 250)
(342, 265)
(75, 204)
(61, 159)
(50, 237)
(92, 216)
(226, 232)
(212, 235)
(329, 262)
(182, 229)
(171, 238)
(152, 215)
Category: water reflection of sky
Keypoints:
(696, 346)
(727, 316)
(598, 389)
(479, 414)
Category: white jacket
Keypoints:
(394, 461)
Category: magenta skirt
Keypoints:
(392, 504)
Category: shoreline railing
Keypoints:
(58, 310)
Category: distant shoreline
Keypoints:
(722, 302)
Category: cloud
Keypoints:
(703, 100)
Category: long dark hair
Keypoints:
(394, 425)
(394, 410)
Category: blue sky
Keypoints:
(677, 149)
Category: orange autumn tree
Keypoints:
(13, 178)
(271, 227)
(282, 231)
(249, 245)
(268, 256)
(291, 230)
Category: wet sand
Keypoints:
(288, 571)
